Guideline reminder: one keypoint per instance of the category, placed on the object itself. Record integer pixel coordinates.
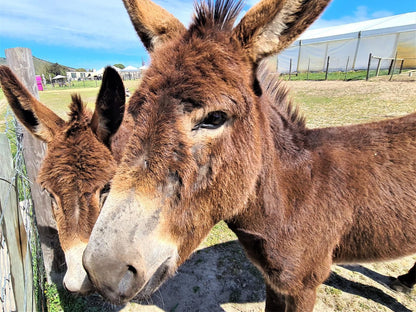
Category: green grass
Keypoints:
(220, 233)
(59, 98)
(59, 300)
(351, 75)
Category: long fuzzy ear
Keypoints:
(109, 107)
(153, 24)
(272, 25)
(36, 117)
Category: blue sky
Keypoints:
(95, 33)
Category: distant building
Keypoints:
(70, 76)
(128, 73)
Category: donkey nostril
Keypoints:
(132, 269)
(128, 281)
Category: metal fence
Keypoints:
(22, 275)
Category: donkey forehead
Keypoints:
(193, 75)
(76, 162)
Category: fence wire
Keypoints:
(20, 179)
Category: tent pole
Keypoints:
(356, 50)
(297, 65)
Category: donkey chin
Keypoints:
(76, 280)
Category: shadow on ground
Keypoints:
(221, 275)
(366, 291)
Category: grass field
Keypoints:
(340, 75)
(324, 103)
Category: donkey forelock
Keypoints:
(79, 116)
(218, 15)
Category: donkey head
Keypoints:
(195, 154)
(78, 165)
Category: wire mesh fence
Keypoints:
(18, 186)
(336, 69)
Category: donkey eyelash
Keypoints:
(212, 121)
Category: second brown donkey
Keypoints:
(81, 159)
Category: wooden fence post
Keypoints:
(393, 66)
(15, 233)
(401, 67)
(378, 67)
(368, 67)
(21, 62)
(346, 67)
(390, 67)
(327, 69)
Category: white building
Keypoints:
(349, 46)
(79, 76)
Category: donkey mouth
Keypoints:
(158, 278)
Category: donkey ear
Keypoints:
(153, 24)
(109, 107)
(36, 117)
(272, 25)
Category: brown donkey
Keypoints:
(212, 143)
(80, 161)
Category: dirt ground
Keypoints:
(220, 278)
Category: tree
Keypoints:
(56, 69)
(81, 70)
(121, 66)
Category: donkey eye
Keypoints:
(105, 189)
(49, 194)
(104, 193)
(214, 120)
(52, 197)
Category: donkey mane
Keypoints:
(278, 93)
(217, 15)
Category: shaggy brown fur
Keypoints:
(78, 164)
(207, 147)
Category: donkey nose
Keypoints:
(114, 279)
(80, 286)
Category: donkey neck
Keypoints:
(286, 165)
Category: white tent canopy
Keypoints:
(58, 77)
(349, 45)
(130, 68)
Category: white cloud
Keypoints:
(360, 14)
(86, 24)
(105, 25)
(250, 3)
